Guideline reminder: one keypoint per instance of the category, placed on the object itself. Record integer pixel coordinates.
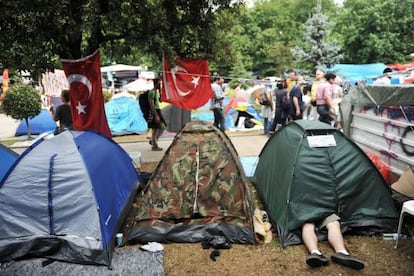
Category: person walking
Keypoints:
(216, 103)
(281, 113)
(266, 101)
(155, 121)
(296, 102)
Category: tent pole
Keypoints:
(196, 179)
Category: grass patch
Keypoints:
(379, 255)
(8, 143)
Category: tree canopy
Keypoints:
(237, 40)
(40, 32)
(376, 30)
(22, 102)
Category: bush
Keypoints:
(22, 102)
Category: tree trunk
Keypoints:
(28, 129)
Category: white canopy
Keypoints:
(139, 85)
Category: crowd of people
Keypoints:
(316, 100)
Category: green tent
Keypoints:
(309, 170)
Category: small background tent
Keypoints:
(65, 198)
(238, 111)
(124, 115)
(298, 182)
(7, 157)
(198, 191)
(38, 124)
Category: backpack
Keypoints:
(264, 101)
(144, 104)
(285, 102)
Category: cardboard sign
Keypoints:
(321, 141)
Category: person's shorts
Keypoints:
(154, 125)
(327, 220)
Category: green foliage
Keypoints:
(269, 31)
(238, 41)
(106, 95)
(235, 82)
(21, 102)
(37, 33)
(376, 31)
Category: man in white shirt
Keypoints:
(385, 79)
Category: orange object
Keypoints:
(5, 80)
(383, 168)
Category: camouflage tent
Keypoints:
(198, 192)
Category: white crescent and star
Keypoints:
(82, 79)
(194, 81)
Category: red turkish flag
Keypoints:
(86, 98)
(187, 84)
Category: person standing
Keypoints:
(296, 106)
(266, 102)
(63, 113)
(312, 110)
(324, 102)
(337, 96)
(292, 81)
(156, 121)
(385, 79)
(216, 103)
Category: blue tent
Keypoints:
(124, 116)
(357, 72)
(38, 124)
(65, 198)
(7, 157)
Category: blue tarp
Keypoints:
(125, 116)
(249, 164)
(357, 72)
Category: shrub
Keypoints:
(22, 102)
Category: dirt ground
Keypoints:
(379, 256)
